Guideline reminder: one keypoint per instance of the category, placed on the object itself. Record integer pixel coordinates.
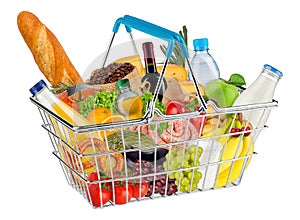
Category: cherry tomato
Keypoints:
(97, 199)
(139, 189)
(121, 193)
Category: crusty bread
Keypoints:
(48, 53)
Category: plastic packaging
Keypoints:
(260, 91)
(204, 66)
(129, 104)
(41, 92)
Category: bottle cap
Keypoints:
(37, 87)
(200, 44)
(123, 83)
(274, 70)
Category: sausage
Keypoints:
(176, 128)
(102, 161)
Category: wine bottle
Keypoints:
(151, 78)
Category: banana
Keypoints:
(248, 149)
(221, 130)
(232, 149)
(238, 124)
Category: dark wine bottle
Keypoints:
(151, 78)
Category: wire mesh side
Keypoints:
(171, 156)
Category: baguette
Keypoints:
(48, 53)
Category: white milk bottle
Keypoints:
(260, 91)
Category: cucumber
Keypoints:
(131, 140)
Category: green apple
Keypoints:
(224, 93)
(221, 92)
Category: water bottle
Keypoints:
(260, 91)
(204, 66)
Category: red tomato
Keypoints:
(94, 176)
(97, 199)
(139, 189)
(175, 107)
(121, 193)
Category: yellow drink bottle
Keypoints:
(67, 140)
(129, 104)
(41, 93)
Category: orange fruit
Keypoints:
(101, 116)
(98, 115)
(112, 118)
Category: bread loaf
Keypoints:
(48, 53)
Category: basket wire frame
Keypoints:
(66, 140)
(66, 148)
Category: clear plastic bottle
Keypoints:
(260, 91)
(41, 93)
(129, 103)
(204, 66)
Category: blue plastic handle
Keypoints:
(154, 30)
(157, 28)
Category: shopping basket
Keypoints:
(177, 161)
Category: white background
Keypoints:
(243, 36)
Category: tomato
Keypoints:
(94, 176)
(97, 199)
(139, 189)
(94, 190)
(121, 193)
(175, 107)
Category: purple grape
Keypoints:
(158, 183)
(170, 192)
(171, 180)
(145, 170)
(157, 189)
(148, 164)
(150, 190)
(163, 180)
(162, 190)
(173, 187)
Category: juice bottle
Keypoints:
(41, 93)
(129, 103)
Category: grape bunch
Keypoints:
(157, 184)
(160, 186)
(179, 160)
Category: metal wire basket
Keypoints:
(178, 160)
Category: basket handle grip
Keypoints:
(177, 37)
(154, 30)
